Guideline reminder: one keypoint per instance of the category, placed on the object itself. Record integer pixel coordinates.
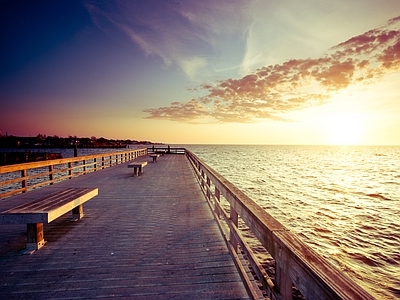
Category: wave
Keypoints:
(377, 195)
(366, 259)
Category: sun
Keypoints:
(344, 128)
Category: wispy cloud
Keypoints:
(186, 33)
(272, 91)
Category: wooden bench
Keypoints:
(162, 152)
(138, 167)
(45, 210)
(154, 157)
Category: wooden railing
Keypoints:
(166, 150)
(296, 264)
(20, 178)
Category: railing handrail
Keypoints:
(166, 149)
(87, 163)
(295, 262)
(46, 163)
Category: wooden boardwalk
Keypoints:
(146, 237)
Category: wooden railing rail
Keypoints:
(20, 178)
(166, 150)
(295, 262)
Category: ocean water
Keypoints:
(344, 202)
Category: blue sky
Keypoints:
(257, 72)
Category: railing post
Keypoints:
(102, 162)
(208, 189)
(216, 205)
(283, 282)
(234, 219)
(23, 182)
(70, 170)
(84, 166)
(202, 179)
(51, 174)
(95, 164)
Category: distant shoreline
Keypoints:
(43, 141)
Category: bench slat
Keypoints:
(40, 205)
(49, 202)
(137, 164)
(46, 209)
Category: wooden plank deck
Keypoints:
(146, 237)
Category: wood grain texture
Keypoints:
(48, 208)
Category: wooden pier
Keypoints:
(146, 237)
(174, 232)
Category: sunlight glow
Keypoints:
(345, 128)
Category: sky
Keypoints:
(311, 72)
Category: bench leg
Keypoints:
(77, 213)
(35, 236)
(136, 171)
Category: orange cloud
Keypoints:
(390, 58)
(178, 111)
(271, 91)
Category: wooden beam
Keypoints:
(35, 236)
